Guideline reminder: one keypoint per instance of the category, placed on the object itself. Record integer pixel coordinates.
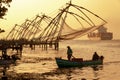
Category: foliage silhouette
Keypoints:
(4, 5)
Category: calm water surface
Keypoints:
(40, 65)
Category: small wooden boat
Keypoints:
(78, 62)
(6, 62)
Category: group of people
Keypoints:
(94, 57)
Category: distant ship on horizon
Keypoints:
(101, 34)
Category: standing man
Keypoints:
(69, 52)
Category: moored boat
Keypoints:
(6, 62)
(9, 60)
(61, 63)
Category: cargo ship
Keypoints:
(101, 34)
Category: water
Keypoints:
(40, 65)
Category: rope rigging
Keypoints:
(48, 29)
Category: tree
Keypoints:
(4, 4)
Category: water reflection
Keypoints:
(68, 75)
(97, 67)
(59, 74)
(73, 73)
(96, 71)
(65, 71)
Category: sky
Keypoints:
(20, 10)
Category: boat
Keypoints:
(9, 61)
(76, 62)
(6, 62)
(101, 34)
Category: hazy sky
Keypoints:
(21, 10)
